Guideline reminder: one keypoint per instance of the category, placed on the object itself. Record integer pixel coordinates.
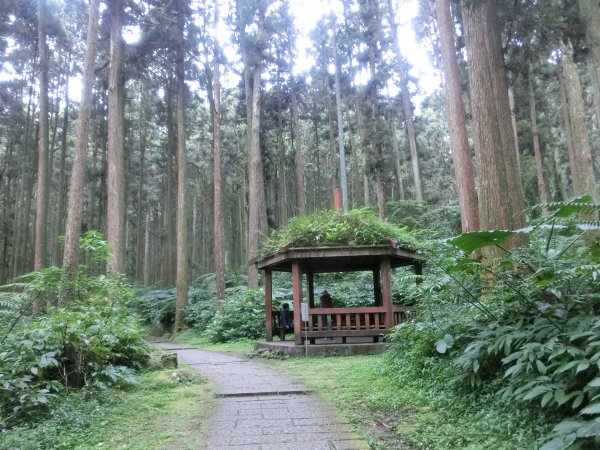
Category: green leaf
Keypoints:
(594, 383)
(581, 367)
(441, 346)
(566, 366)
(546, 398)
(513, 370)
(562, 397)
(568, 426)
(541, 367)
(573, 206)
(475, 240)
(449, 340)
(591, 409)
(578, 401)
(538, 390)
(559, 443)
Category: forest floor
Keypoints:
(156, 413)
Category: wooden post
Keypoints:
(297, 289)
(268, 277)
(386, 291)
(337, 199)
(311, 289)
(377, 286)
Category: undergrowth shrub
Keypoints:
(89, 345)
(243, 316)
(522, 329)
(95, 342)
(157, 307)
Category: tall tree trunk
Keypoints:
(461, 155)
(282, 191)
(217, 182)
(567, 128)
(356, 172)
(147, 250)
(298, 158)
(41, 210)
(182, 232)
(62, 177)
(115, 215)
(397, 165)
(76, 187)
(500, 196)
(590, 13)
(140, 219)
(406, 107)
(168, 264)
(513, 119)
(537, 150)
(362, 134)
(22, 200)
(41, 222)
(254, 172)
(340, 124)
(584, 180)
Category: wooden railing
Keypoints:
(403, 313)
(351, 322)
(343, 321)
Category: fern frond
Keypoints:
(578, 205)
(15, 287)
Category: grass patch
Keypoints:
(157, 413)
(394, 414)
(194, 339)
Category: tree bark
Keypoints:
(23, 200)
(500, 196)
(182, 232)
(76, 187)
(217, 181)
(41, 210)
(254, 172)
(62, 177)
(537, 150)
(168, 263)
(584, 180)
(461, 154)
(340, 124)
(115, 215)
(298, 158)
(147, 251)
(513, 119)
(567, 127)
(41, 222)
(397, 164)
(590, 13)
(140, 219)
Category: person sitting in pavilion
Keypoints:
(326, 302)
(286, 317)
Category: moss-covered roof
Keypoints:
(356, 228)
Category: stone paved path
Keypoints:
(261, 409)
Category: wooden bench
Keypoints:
(277, 326)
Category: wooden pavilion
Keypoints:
(344, 322)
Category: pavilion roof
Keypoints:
(338, 259)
